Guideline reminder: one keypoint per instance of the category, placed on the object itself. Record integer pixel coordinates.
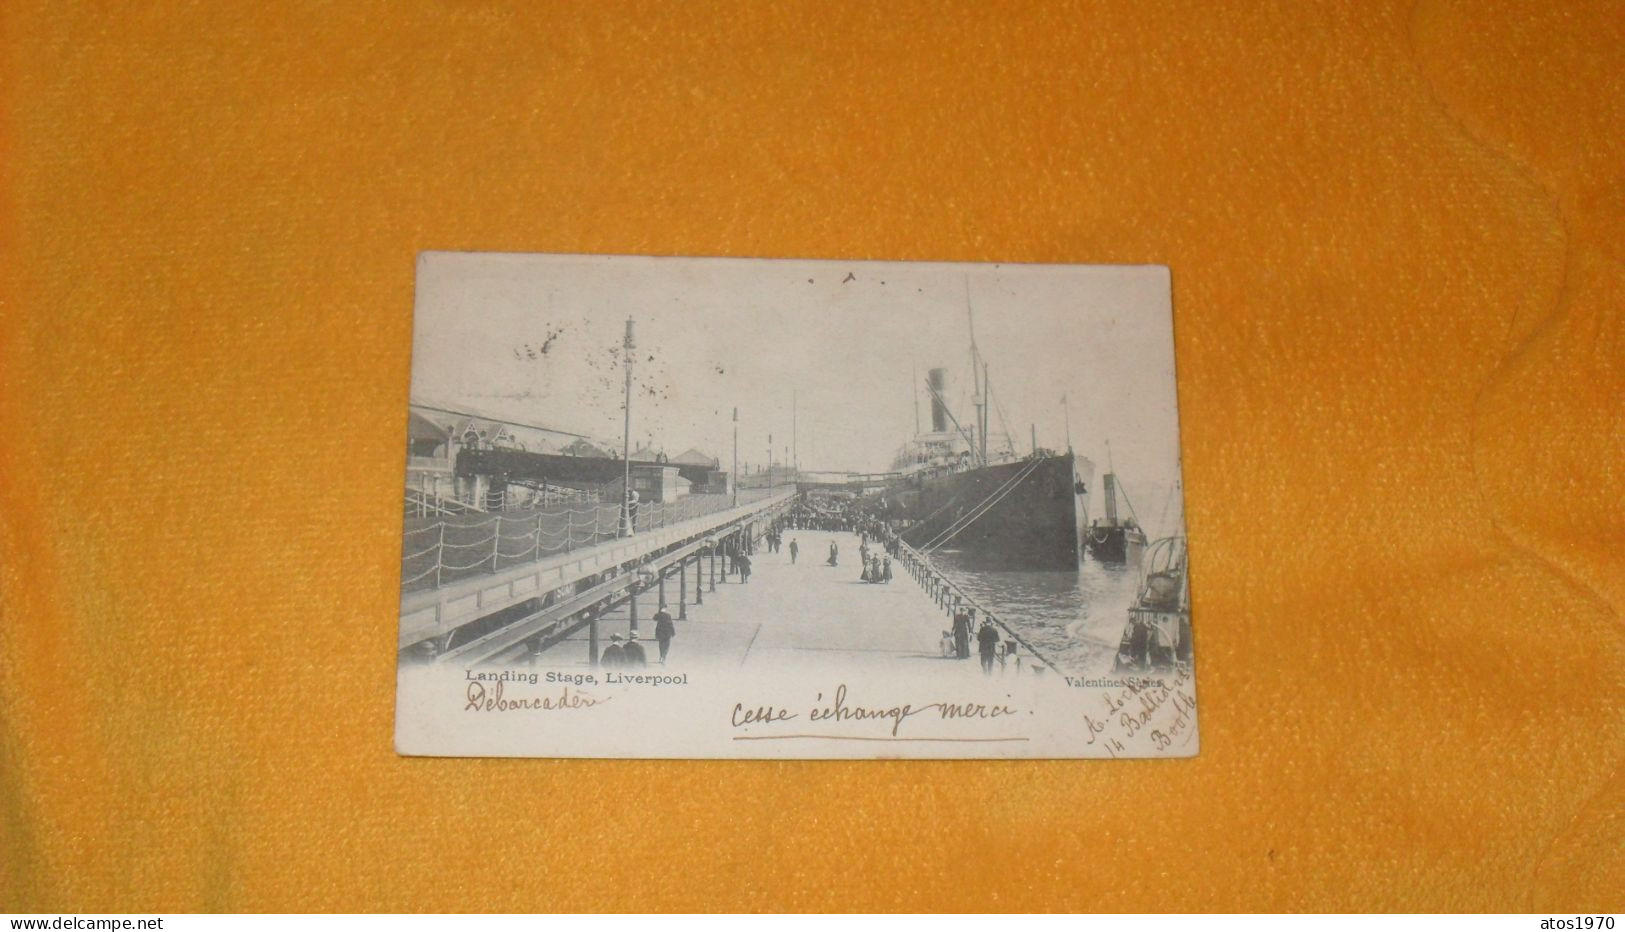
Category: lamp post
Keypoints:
(769, 465)
(626, 440)
(736, 458)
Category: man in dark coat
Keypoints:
(834, 553)
(962, 632)
(665, 630)
(988, 640)
(614, 656)
(632, 655)
(794, 549)
(744, 567)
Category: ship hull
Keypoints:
(1025, 514)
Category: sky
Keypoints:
(536, 339)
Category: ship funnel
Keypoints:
(938, 380)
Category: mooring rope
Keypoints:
(975, 514)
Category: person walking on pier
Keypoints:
(885, 570)
(632, 655)
(834, 553)
(665, 630)
(743, 562)
(794, 549)
(988, 640)
(614, 656)
(962, 632)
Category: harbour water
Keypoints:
(1074, 616)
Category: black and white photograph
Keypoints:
(671, 507)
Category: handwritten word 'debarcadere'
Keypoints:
(481, 699)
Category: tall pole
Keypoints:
(736, 458)
(795, 451)
(1035, 439)
(626, 439)
(770, 465)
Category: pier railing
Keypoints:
(948, 596)
(421, 503)
(441, 548)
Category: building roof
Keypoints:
(419, 427)
(693, 457)
(484, 421)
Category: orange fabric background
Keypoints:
(1395, 240)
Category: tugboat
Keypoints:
(1157, 636)
(1111, 540)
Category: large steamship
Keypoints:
(954, 492)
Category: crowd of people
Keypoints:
(876, 566)
(823, 515)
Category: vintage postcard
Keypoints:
(697, 508)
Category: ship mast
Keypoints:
(914, 380)
(978, 374)
(987, 403)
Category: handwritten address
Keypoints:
(1161, 711)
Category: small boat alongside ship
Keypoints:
(1157, 635)
(1115, 539)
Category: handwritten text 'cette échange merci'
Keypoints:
(841, 710)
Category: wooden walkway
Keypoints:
(789, 615)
